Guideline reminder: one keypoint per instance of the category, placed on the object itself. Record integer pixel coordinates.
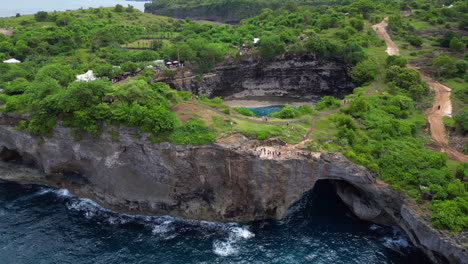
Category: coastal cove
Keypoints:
(331, 132)
(319, 229)
(28, 7)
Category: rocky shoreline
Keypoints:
(216, 182)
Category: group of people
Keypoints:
(278, 152)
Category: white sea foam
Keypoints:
(63, 193)
(87, 206)
(162, 228)
(240, 232)
(235, 235)
(224, 248)
(397, 241)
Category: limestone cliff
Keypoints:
(217, 182)
(301, 76)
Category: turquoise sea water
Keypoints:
(41, 224)
(265, 110)
(10, 8)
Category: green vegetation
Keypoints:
(327, 102)
(244, 111)
(380, 131)
(289, 112)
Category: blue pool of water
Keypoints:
(265, 110)
(41, 224)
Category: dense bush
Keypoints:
(416, 41)
(327, 102)
(192, 132)
(271, 46)
(364, 72)
(288, 112)
(244, 111)
(450, 214)
(396, 60)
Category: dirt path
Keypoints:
(441, 107)
(380, 29)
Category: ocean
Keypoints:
(25, 7)
(43, 224)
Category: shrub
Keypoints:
(415, 41)
(286, 112)
(244, 111)
(450, 214)
(271, 46)
(261, 135)
(358, 24)
(396, 60)
(364, 72)
(193, 132)
(327, 102)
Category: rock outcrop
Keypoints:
(301, 76)
(217, 182)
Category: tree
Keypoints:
(129, 9)
(448, 36)
(270, 46)
(415, 41)
(396, 60)
(358, 24)
(107, 70)
(457, 45)
(81, 95)
(327, 102)
(364, 72)
(63, 74)
(317, 45)
(21, 49)
(41, 16)
(461, 121)
(445, 66)
(156, 44)
(358, 106)
(6, 46)
(364, 7)
(119, 8)
(129, 66)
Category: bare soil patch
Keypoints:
(185, 111)
(6, 31)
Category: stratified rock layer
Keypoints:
(211, 182)
(301, 76)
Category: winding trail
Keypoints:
(441, 107)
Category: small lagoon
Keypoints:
(265, 110)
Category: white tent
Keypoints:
(88, 76)
(13, 60)
(159, 63)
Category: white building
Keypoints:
(12, 60)
(88, 76)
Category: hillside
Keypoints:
(380, 124)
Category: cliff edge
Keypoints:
(216, 182)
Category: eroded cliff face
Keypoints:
(211, 182)
(217, 182)
(301, 76)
